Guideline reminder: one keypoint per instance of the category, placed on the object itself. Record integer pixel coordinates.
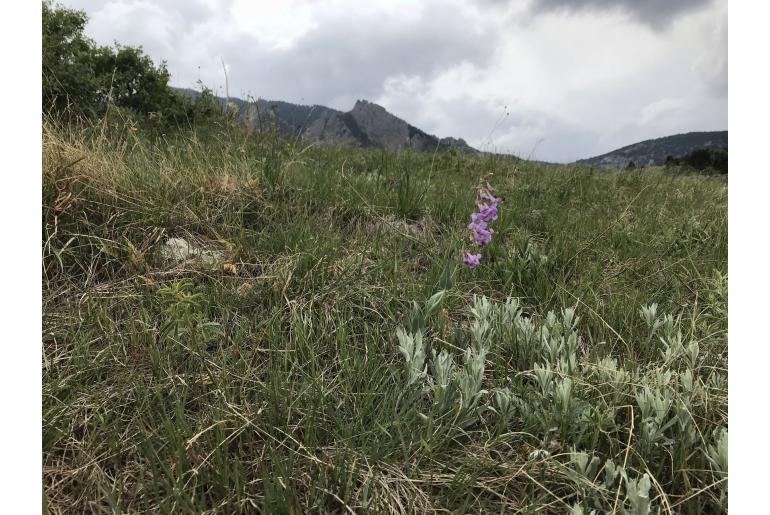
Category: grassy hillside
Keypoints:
(264, 372)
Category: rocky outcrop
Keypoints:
(380, 127)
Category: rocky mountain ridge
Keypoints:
(366, 125)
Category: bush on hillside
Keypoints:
(703, 159)
(83, 79)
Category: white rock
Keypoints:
(179, 250)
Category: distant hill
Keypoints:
(366, 125)
(656, 151)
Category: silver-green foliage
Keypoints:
(412, 348)
(550, 386)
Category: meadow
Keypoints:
(333, 354)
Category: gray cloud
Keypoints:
(712, 66)
(655, 13)
(575, 86)
(492, 125)
(335, 62)
(343, 60)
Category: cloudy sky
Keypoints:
(556, 80)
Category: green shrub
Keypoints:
(82, 79)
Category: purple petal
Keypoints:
(472, 260)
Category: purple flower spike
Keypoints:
(481, 234)
(472, 260)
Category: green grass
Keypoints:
(273, 381)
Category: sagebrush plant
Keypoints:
(305, 372)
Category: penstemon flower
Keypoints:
(486, 213)
(481, 234)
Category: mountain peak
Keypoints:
(371, 107)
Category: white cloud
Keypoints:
(659, 109)
(277, 24)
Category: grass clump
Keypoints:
(581, 367)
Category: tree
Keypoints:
(68, 78)
(82, 78)
(703, 159)
(699, 159)
(129, 79)
(720, 160)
